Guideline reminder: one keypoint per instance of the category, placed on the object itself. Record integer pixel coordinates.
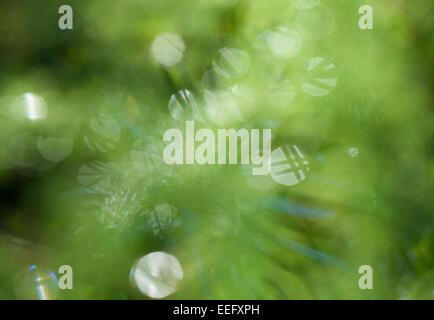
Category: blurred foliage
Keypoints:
(238, 236)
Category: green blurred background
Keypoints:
(366, 199)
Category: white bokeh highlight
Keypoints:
(168, 49)
(157, 274)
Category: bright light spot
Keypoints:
(157, 274)
(288, 165)
(168, 49)
(353, 152)
(55, 149)
(94, 175)
(105, 133)
(233, 63)
(284, 42)
(183, 106)
(317, 23)
(36, 283)
(321, 77)
(221, 107)
(29, 106)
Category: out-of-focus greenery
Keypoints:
(237, 236)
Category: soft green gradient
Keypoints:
(237, 238)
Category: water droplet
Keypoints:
(233, 63)
(317, 23)
(29, 106)
(55, 149)
(168, 49)
(183, 106)
(157, 274)
(288, 165)
(353, 152)
(36, 283)
(284, 42)
(105, 133)
(321, 77)
(305, 4)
